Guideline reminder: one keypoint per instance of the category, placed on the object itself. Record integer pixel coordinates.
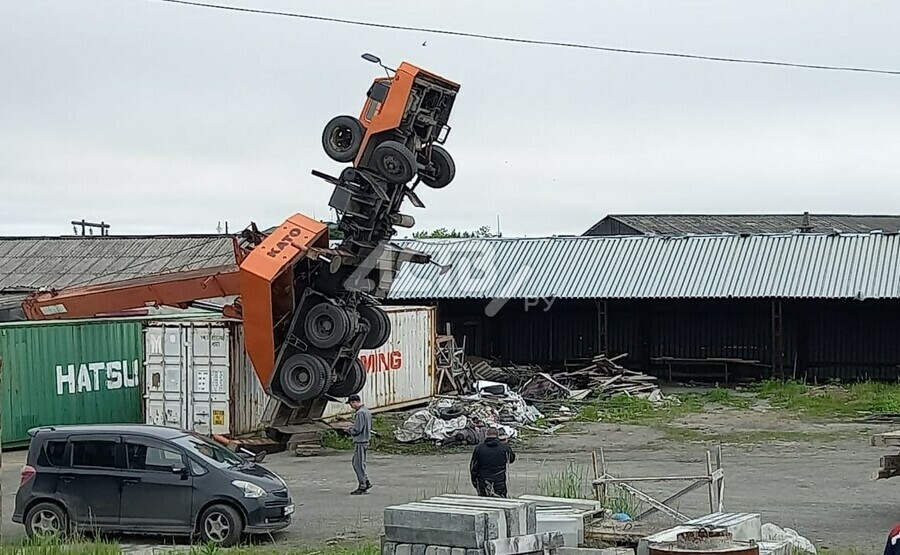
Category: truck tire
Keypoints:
(305, 376)
(378, 320)
(326, 325)
(352, 383)
(444, 168)
(395, 162)
(342, 138)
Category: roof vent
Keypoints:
(805, 226)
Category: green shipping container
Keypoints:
(70, 372)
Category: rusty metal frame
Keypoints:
(714, 480)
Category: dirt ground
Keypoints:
(818, 482)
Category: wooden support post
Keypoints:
(604, 490)
(594, 484)
(721, 482)
(712, 484)
(777, 343)
(602, 328)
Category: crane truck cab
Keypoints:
(401, 128)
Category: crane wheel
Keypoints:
(305, 376)
(379, 326)
(326, 325)
(395, 162)
(444, 168)
(352, 383)
(342, 138)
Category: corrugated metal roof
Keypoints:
(705, 224)
(28, 263)
(725, 266)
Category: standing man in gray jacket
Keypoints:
(360, 432)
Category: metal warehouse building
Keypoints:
(810, 304)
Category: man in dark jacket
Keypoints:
(893, 542)
(488, 466)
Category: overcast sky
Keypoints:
(161, 118)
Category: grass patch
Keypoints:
(677, 433)
(727, 398)
(332, 439)
(831, 401)
(621, 501)
(622, 409)
(572, 482)
(53, 546)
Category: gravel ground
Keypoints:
(822, 489)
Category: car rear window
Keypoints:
(53, 454)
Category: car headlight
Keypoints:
(249, 489)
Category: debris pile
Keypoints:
(463, 419)
(603, 378)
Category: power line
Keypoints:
(532, 41)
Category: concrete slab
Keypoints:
(581, 504)
(438, 550)
(527, 544)
(435, 525)
(592, 551)
(743, 526)
(495, 518)
(570, 527)
(530, 506)
(418, 549)
(458, 551)
(514, 517)
(387, 548)
(403, 549)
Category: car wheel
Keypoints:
(46, 520)
(221, 525)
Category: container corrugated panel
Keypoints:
(401, 373)
(56, 373)
(248, 398)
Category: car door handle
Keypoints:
(131, 481)
(66, 478)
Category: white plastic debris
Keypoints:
(770, 532)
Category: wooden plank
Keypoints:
(613, 480)
(886, 439)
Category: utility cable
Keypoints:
(531, 41)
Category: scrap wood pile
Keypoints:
(602, 378)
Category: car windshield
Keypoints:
(210, 451)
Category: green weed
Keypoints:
(831, 401)
(332, 439)
(572, 482)
(727, 398)
(623, 501)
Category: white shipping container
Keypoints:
(401, 372)
(198, 376)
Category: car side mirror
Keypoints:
(182, 470)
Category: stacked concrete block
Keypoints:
(465, 525)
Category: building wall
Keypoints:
(846, 340)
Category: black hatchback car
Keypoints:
(147, 480)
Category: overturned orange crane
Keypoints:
(309, 309)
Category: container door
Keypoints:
(166, 367)
(209, 389)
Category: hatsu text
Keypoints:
(94, 376)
